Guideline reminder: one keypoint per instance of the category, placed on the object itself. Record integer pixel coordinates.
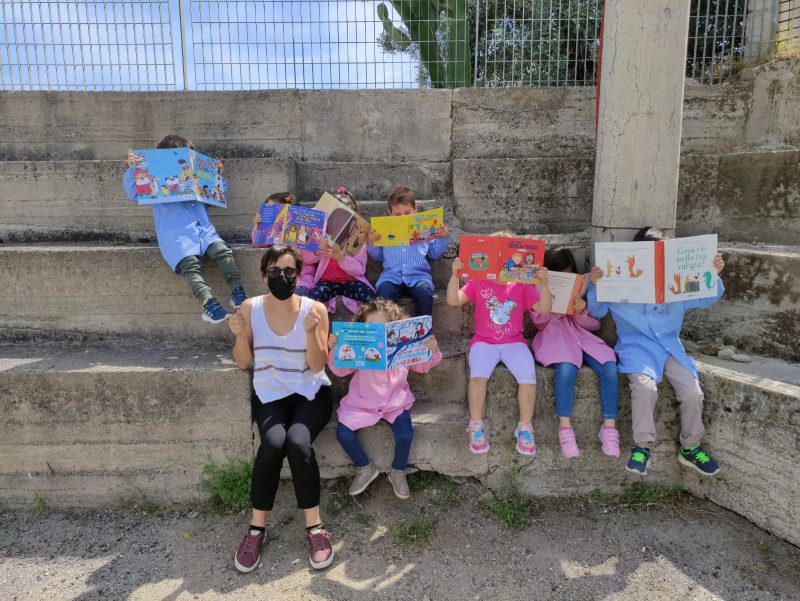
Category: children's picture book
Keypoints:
(403, 230)
(344, 226)
(177, 175)
(565, 288)
(382, 346)
(295, 226)
(667, 271)
(501, 259)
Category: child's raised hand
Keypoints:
(256, 219)
(595, 274)
(719, 264)
(218, 164)
(332, 340)
(373, 236)
(431, 344)
(579, 305)
(542, 275)
(236, 324)
(458, 265)
(132, 158)
(442, 232)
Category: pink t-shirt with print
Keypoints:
(499, 309)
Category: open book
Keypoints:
(667, 271)
(344, 226)
(402, 230)
(565, 288)
(295, 226)
(165, 175)
(501, 259)
(395, 344)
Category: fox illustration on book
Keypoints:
(689, 284)
(631, 261)
(676, 289)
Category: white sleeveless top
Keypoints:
(280, 367)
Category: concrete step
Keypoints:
(760, 312)
(78, 290)
(83, 201)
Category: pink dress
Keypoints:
(375, 395)
(564, 339)
(314, 265)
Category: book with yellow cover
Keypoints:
(404, 230)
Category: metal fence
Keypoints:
(268, 44)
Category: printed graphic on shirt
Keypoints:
(499, 313)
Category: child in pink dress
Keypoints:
(566, 342)
(376, 395)
(499, 309)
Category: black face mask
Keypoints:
(281, 287)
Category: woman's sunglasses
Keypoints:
(276, 272)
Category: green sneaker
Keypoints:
(698, 459)
(640, 460)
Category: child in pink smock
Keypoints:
(566, 342)
(376, 395)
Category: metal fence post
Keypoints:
(184, 56)
(760, 29)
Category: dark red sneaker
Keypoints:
(320, 550)
(249, 552)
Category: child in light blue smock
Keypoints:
(649, 348)
(185, 236)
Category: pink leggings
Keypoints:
(516, 356)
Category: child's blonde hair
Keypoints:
(346, 197)
(503, 234)
(392, 310)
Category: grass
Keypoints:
(39, 505)
(416, 531)
(644, 497)
(509, 505)
(442, 491)
(228, 484)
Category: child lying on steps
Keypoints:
(375, 395)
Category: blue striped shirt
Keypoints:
(408, 264)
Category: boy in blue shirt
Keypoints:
(185, 235)
(406, 271)
(649, 348)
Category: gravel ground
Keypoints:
(569, 549)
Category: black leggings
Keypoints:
(287, 427)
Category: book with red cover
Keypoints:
(501, 259)
(481, 257)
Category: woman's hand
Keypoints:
(132, 158)
(431, 344)
(595, 274)
(719, 264)
(332, 340)
(373, 236)
(311, 320)
(579, 305)
(218, 164)
(236, 324)
(458, 265)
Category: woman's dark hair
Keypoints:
(282, 198)
(560, 258)
(175, 141)
(276, 252)
(649, 234)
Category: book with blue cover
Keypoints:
(166, 175)
(380, 346)
(295, 226)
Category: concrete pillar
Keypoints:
(640, 112)
(760, 29)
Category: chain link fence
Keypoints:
(246, 44)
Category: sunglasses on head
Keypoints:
(275, 272)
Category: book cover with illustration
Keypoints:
(565, 288)
(501, 259)
(657, 272)
(295, 226)
(177, 175)
(382, 346)
(403, 230)
(343, 226)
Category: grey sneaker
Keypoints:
(363, 478)
(399, 483)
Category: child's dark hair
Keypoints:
(401, 195)
(393, 311)
(560, 258)
(281, 197)
(276, 252)
(175, 141)
(346, 197)
(649, 234)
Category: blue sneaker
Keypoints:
(238, 296)
(640, 460)
(698, 459)
(213, 312)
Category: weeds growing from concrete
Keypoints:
(442, 491)
(228, 484)
(416, 531)
(509, 504)
(39, 505)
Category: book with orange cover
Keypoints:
(501, 259)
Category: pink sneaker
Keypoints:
(477, 439)
(249, 552)
(609, 440)
(569, 447)
(320, 550)
(525, 443)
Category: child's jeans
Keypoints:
(644, 394)
(191, 268)
(421, 292)
(608, 386)
(325, 291)
(403, 435)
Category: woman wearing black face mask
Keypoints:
(284, 337)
